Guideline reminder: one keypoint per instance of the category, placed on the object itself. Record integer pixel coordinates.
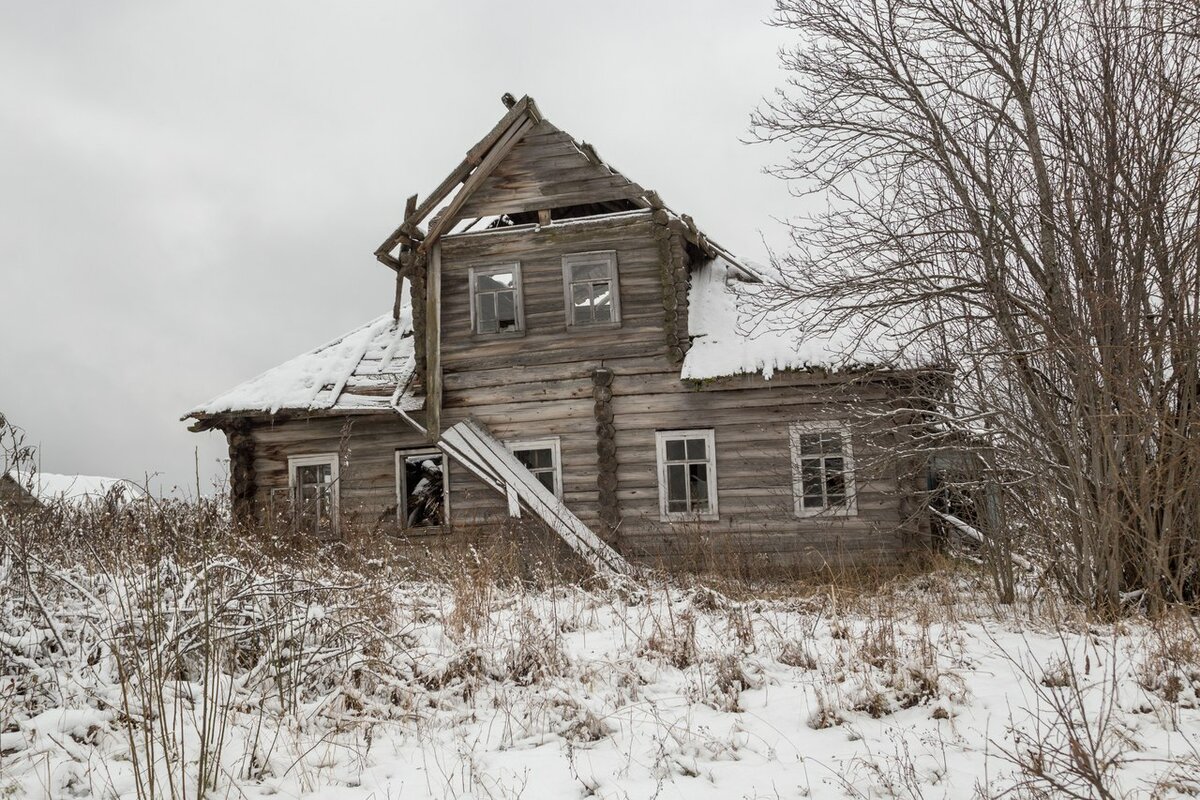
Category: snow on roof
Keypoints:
(734, 335)
(367, 369)
(49, 488)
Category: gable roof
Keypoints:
(368, 369)
(525, 163)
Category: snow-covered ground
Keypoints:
(296, 682)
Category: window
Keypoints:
(541, 457)
(822, 469)
(496, 299)
(313, 481)
(420, 488)
(687, 475)
(592, 295)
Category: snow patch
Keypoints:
(735, 332)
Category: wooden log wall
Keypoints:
(543, 383)
(366, 448)
(673, 272)
(604, 393)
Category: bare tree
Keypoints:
(1014, 191)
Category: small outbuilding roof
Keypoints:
(48, 488)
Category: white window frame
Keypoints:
(552, 444)
(518, 296)
(401, 518)
(569, 262)
(710, 451)
(847, 509)
(317, 459)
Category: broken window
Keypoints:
(592, 295)
(822, 471)
(687, 474)
(541, 457)
(313, 482)
(420, 488)
(496, 299)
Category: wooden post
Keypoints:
(606, 451)
(433, 342)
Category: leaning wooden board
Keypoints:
(470, 443)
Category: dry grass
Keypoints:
(191, 633)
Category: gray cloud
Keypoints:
(190, 193)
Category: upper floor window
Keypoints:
(590, 282)
(496, 299)
(421, 488)
(822, 469)
(541, 457)
(687, 475)
(313, 481)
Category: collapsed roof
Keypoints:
(368, 369)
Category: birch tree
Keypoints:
(1013, 186)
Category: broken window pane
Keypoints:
(506, 311)
(423, 502)
(596, 270)
(497, 302)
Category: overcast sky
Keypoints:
(190, 193)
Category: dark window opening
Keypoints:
(422, 501)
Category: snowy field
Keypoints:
(226, 680)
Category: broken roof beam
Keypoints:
(496, 154)
(524, 107)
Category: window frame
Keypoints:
(318, 459)
(402, 495)
(710, 444)
(551, 443)
(850, 507)
(518, 297)
(569, 261)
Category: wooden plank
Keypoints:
(470, 436)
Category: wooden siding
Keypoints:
(366, 445)
(539, 384)
(545, 170)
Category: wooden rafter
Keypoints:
(525, 109)
(449, 214)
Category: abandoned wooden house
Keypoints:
(565, 348)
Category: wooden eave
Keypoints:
(205, 421)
